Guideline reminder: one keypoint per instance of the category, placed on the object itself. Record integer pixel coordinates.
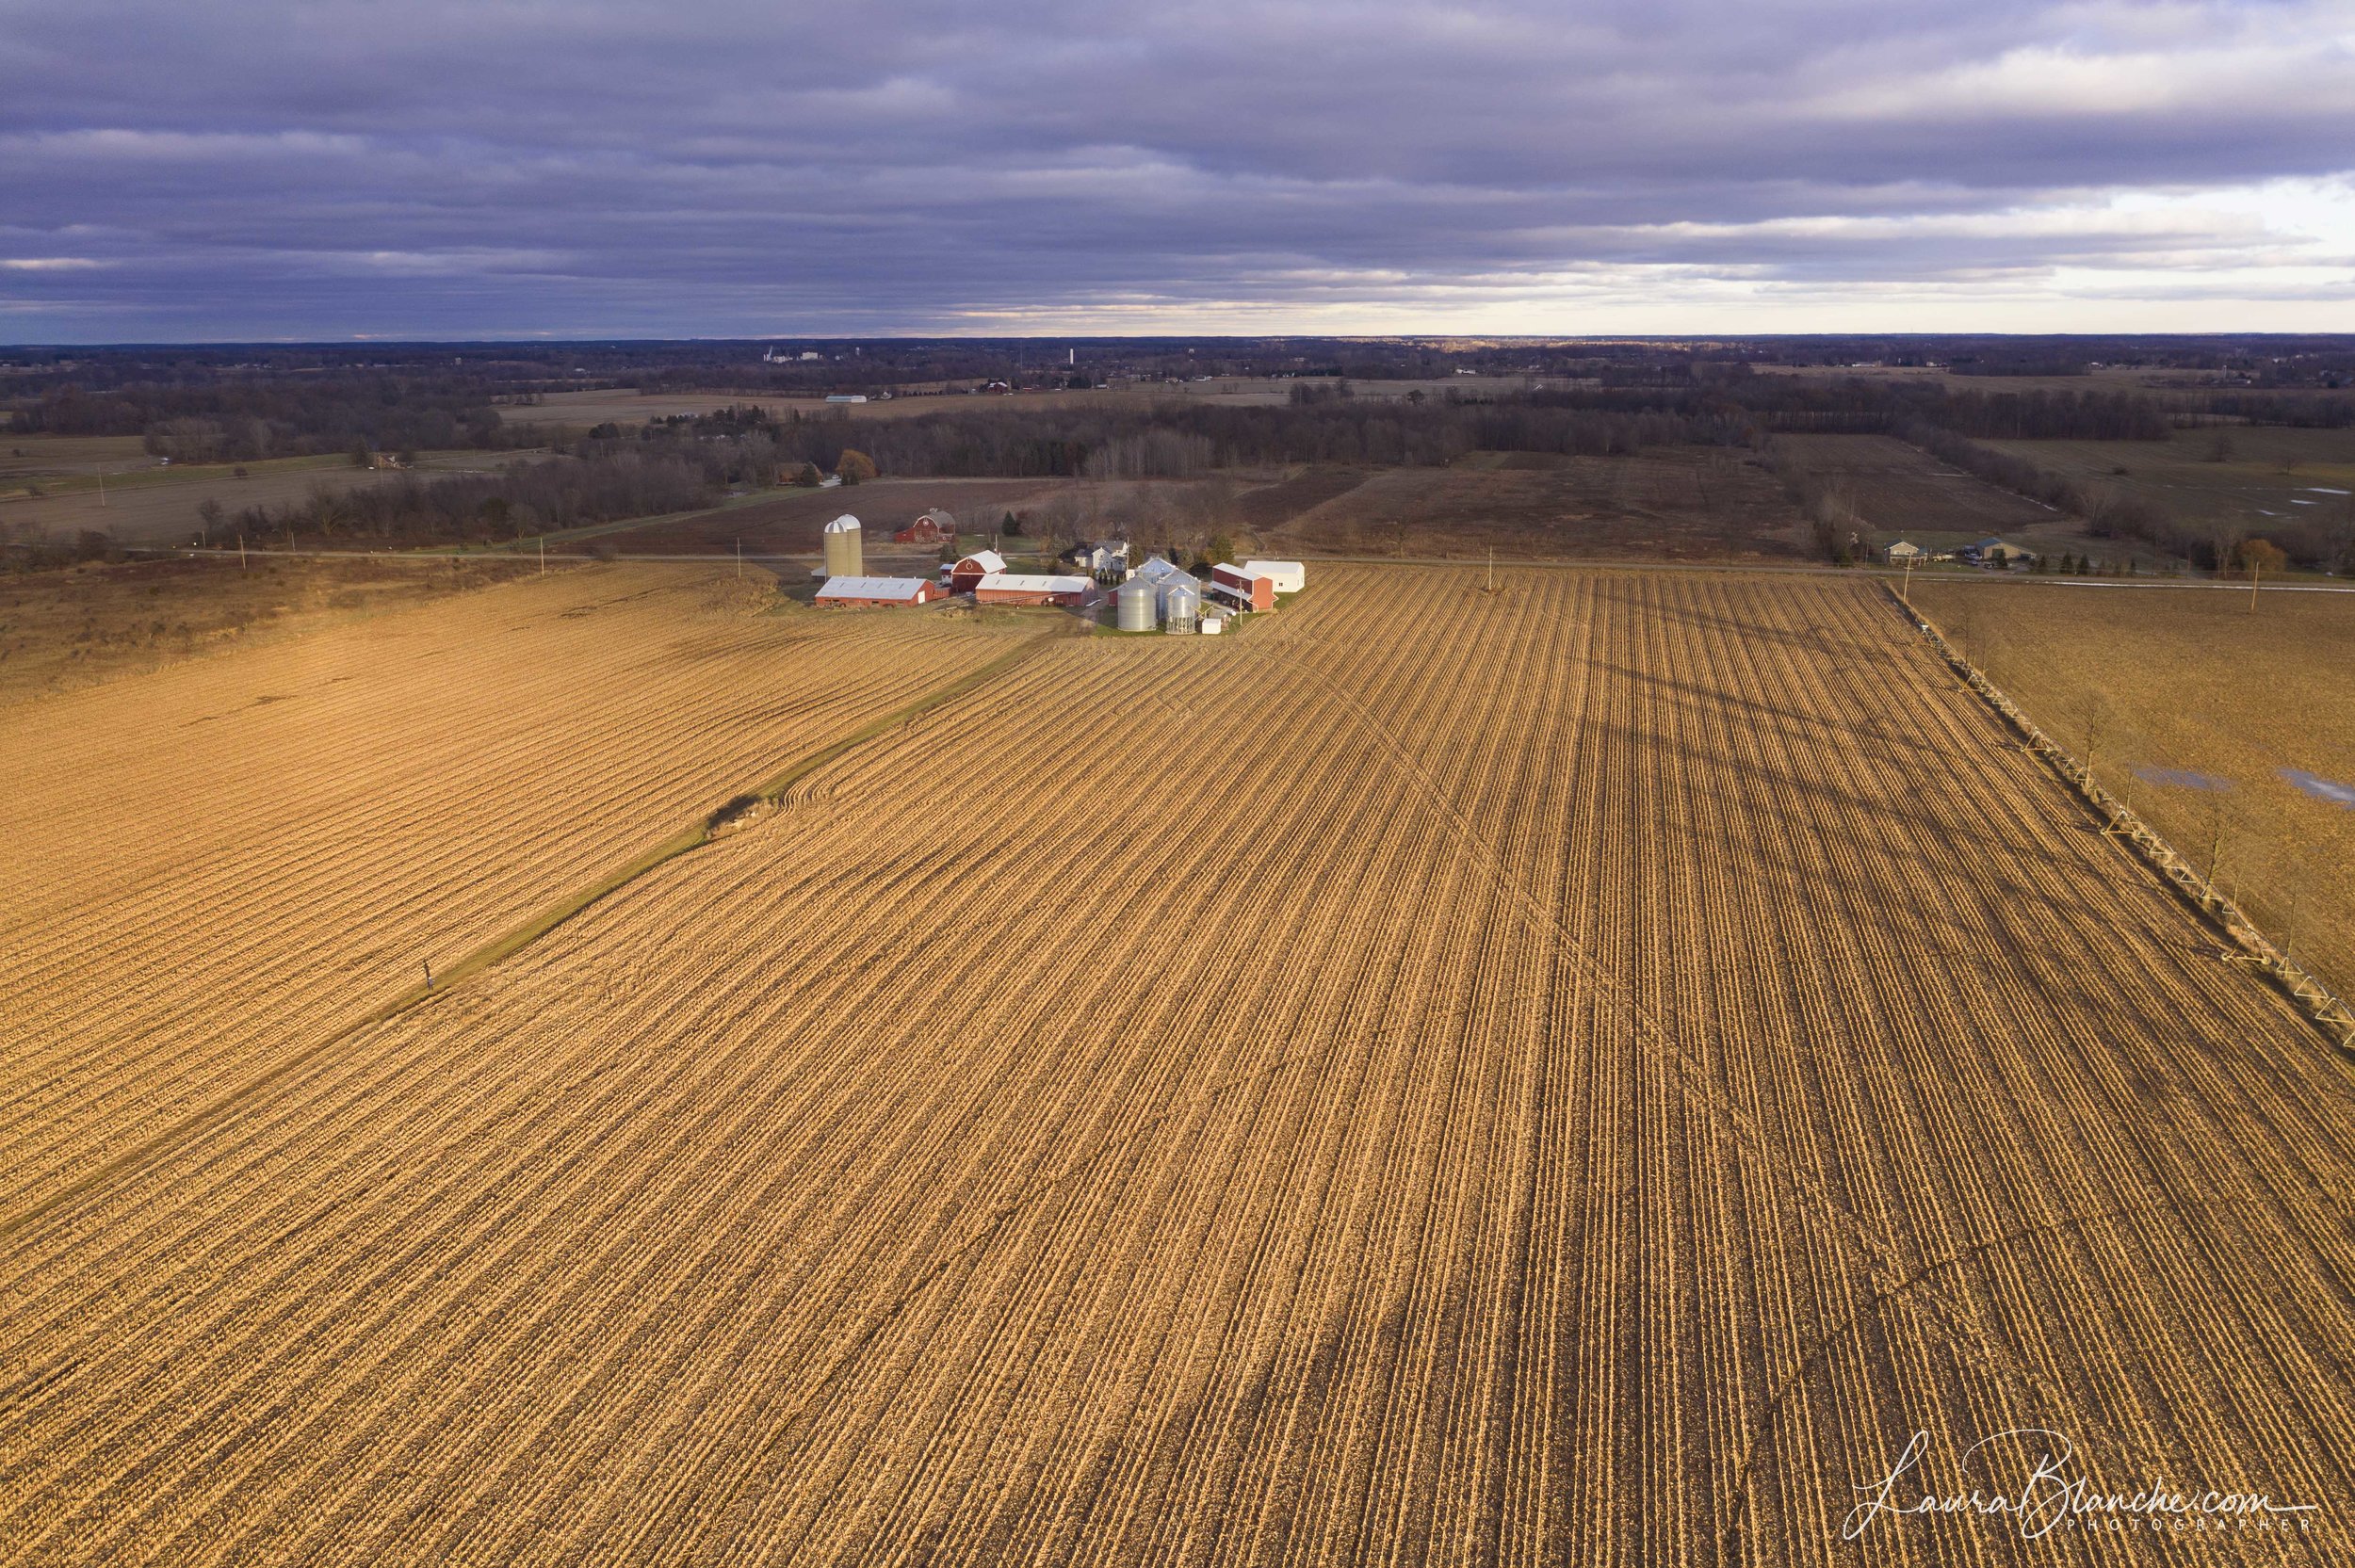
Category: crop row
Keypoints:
(1576, 1075)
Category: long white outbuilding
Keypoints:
(1289, 576)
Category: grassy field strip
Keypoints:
(691, 837)
(2331, 1015)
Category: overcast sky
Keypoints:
(235, 168)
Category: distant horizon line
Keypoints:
(1435, 339)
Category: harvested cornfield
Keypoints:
(218, 865)
(1581, 1073)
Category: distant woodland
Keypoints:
(1576, 399)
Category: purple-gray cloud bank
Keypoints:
(241, 170)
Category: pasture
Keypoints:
(1575, 1073)
(1673, 503)
(2213, 722)
(2228, 481)
(158, 505)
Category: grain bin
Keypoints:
(1135, 599)
(844, 557)
(1181, 607)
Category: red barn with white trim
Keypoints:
(1245, 589)
(966, 575)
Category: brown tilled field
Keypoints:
(1674, 503)
(2231, 732)
(1581, 1074)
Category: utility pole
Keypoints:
(429, 974)
(241, 552)
(1492, 569)
(1905, 592)
(543, 555)
(739, 558)
(102, 484)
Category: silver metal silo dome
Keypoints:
(1136, 603)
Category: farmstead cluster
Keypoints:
(1154, 594)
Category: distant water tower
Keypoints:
(844, 556)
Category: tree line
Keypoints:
(246, 420)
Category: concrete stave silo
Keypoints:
(845, 555)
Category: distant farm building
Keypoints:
(1996, 552)
(375, 459)
(846, 398)
(1245, 590)
(934, 527)
(1902, 552)
(1106, 557)
(876, 592)
(966, 575)
(1289, 576)
(1024, 587)
(845, 552)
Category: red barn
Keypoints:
(846, 592)
(934, 527)
(1245, 591)
(967, 573)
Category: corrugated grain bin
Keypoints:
(1136, 607)
(845, 555)
(1181, 607)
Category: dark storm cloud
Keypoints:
(473, 168)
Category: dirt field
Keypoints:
(95, 622)
(1576, 1076)
(1674, 503)
(2274, 477)
(2207, 717)
(162, 508)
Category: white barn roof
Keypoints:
(1031, 582)
(1290, 576)
(988, 561)
(872, 588)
